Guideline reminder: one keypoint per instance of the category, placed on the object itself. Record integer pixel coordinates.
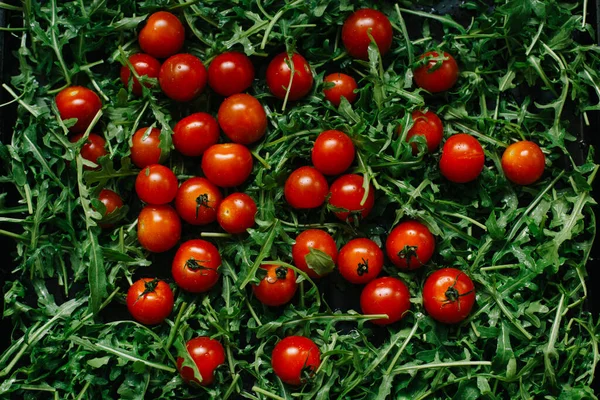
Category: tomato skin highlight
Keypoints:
(195, 133)
(230, 73)
(410, 245)
(145, 149)
(159, 228)
(144, 65)
(162, 36)
(236, 213)
(347, 192)
(197, 201)
(156, 184)
(345, 85)
(277, 287)
(428, 125)
(92, 149)
(448, 295)
(279, 74)
(360, 261)
(312, 238)
(227, 164)
(523, 162)
(152, 307)
(196, 265)
(462, 158)
(355, 36)
(440, 79)
(207, 354)
(292, 355)
(333, 152)
(306, 188)
(242, 118)
(112, 201)
(78, 102)
(385, 295)
(182, 77)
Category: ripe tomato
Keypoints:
(156, 184)
(112, 201)
(150, 301)
(523, 162)
(385, 295)
(306, 188)
(347, 192)
(195, 133)
(279, 74)
(207, 354)
(182, 77)
(236, 213)
(159, 228)
(230, 73)
(294, 358)
(144, 65)
(197, 201)
(462, 158)
(145, 148)
(242, 118)
(78, 102)
(333, 152)
(92, 149)
(410, 245)
(437, 78)
(227, 164)
(358, 25)
(196, 266)
(277, 287)
(360, 261)
(163, 35)
(313, 239)
(448, 295)
(428, 125)
(344, 85)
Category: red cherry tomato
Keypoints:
(333, 152)
(434, 78)
(242, 118)
(277, 287)
(195, 266)
(197, 201)
(150, 301)
(159, 228)
(92, 149)
(462, 158)
(385, 295)
(144, 65)
(78, 102)
(293, 357)
(523, 162)
(448, 295)
(227, 165)
(163, 35)
(306, 188)
(112, 201)
(156, 184)
(347, 192)
(344, 85)
(360, 261)
(230, 73)
(357, 27)
(195, 133)
(429, 126)
(410, 245)
(315, 239)
(207, 354)
(236, 213)
(182, 77)
(279, 74)
(145, 148)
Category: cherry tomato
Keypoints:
(227, 165)
(182, 77)
(347, 192)
(277, 287)
(112, 201)
(523, 162)
(197, 201)
(230, 73)
(360, 261)
(144, 65)
(159, 228)
(306, 188)
(333, 152)
(315, 239)
(207, 354)
(163, 35)
(462, 158)
(434, 78)
(195, 133)
(195, 266)
(356, 29)
(429, 126)
(242, 118)
(78, 102)
(145, 148)
(279, 74)
(294, 358)
(410, 245)
(150, 301)
(344, 85)
(156, 184)
(92, 149)
(448, 295)
(236, 213)
(385, 295)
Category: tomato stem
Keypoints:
(363, 267)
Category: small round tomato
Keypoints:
(462, 158)
(279, 74)
(78, 102)
(343, 86)
(207, 354)
(347, 192)
(150, 301)
(227, 164)
(144, 65)
(182, 77)
(156, 184)
(429, 126)
(197, 201)
(162, 36)
(438, 74)
(230, 73)
(358, 26)
(196, 266)
(523, 162)
(145, 147)
(92, 149)
(242, 118)
(317, 240)
(112, 201)
(277, 287)
(410, 245)
(360, 261)
(295, 357)
(159, 228)
(385, 295)
(306, 188)
(333, 152)
(195, 133)
(448, 295)
(236, 213)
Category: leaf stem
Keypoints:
(264, 392)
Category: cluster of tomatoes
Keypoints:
(448, 294)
